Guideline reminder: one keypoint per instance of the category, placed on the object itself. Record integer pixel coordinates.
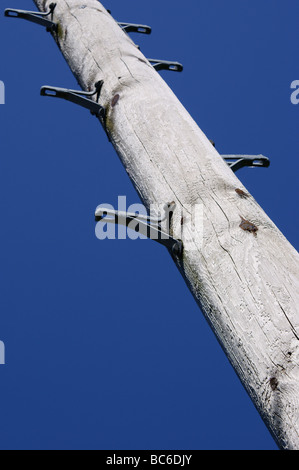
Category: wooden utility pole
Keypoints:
(240, 268)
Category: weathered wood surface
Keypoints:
(246, 282)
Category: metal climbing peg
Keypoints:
(135, 28)
(236, 162)
(166, 65)
(35, 16)
(145, 225)
(82, 98)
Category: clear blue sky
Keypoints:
(105, 346)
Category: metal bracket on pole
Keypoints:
(236, 162)
(145, 225)
(34, 17)
(166, 65)
(135, 28)
(82, 98)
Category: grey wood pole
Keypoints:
(243, 276)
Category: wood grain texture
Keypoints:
(245, 282)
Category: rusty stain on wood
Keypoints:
(114, 100)
(273, 383)
(241, 193)
(248, 226)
